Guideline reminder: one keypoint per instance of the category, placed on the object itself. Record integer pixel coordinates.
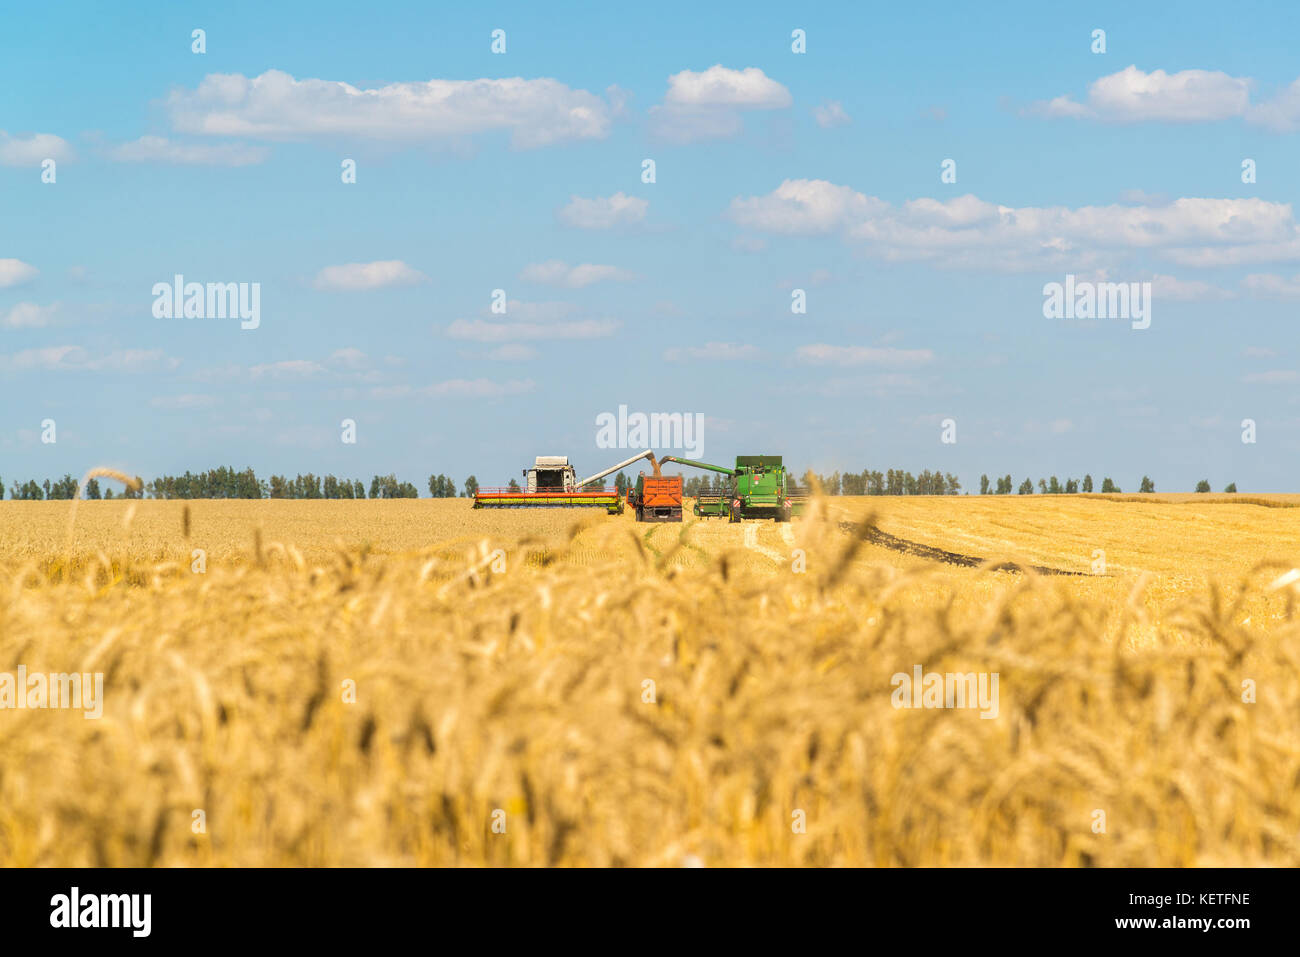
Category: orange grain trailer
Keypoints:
(657, 498)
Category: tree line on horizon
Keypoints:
(225, 482)
(1053, 486)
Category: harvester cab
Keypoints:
(550, 473)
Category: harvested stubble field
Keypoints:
(500, 664)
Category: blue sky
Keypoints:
(774, 171)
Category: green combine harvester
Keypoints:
(759, 487)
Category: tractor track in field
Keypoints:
(751, 542)
(876, 537)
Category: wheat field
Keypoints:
(414, 683)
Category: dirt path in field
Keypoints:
(876, 537)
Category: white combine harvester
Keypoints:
(552, 482)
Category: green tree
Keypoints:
(984, 485)
(1026, 487)
(92, 490)
(1087, 483)
(1202, 486)
(62, 489)
(1147, 485)
(1071, 486)
(471, 487)
(1230, 488)
(1108, 486)
(29, 491)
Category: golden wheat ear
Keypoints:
(100, 471)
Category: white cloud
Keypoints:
(14, 272)
(862, 355)
(1186, 290)
(804, 206)
(512, 352)
(831, 113)
(555, 272)
(970, 232)
(707, 104)
(457, 389)
(477, 388)
(526, 320)
(47, 357)
(33, 149)
(187, 402)
(1132, 95)
(353, 277)
(277, 106)
(75, 358)
(1272, 377)
(1058, 107)
(484, 330)
(1188, 96)
(712, 350)
(129, 360)
(349, 357)
(749, 88)
(1206, 257)
(603, 212)
(1259, 352)
(159, 149)
(28, 315)
(1269, 286)
(287, 369)
(749, 244)
(535, 311)
(880, 385)
(1280, 115)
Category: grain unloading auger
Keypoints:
(709, 502)
(759, 488)
(553, 483)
